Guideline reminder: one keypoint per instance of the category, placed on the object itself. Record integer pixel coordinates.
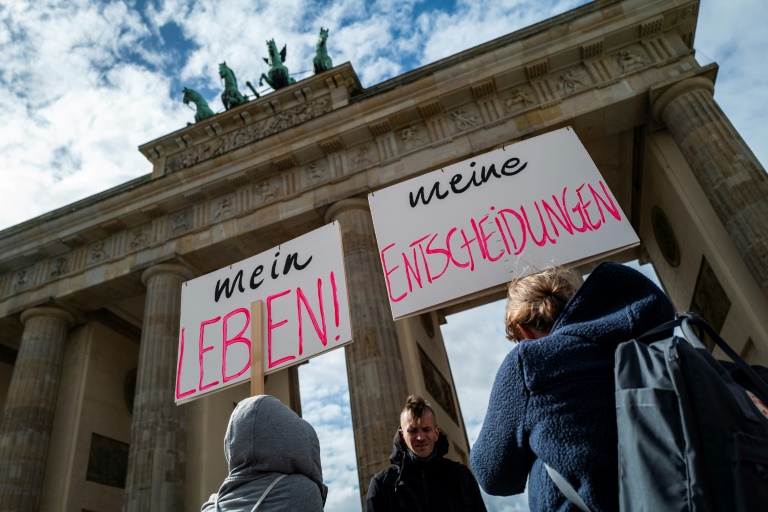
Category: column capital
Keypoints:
(660, 104)
(167, 268)
(339, 207)
(48, 312)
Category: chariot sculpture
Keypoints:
(276, 77)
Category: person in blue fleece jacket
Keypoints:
(553, 398)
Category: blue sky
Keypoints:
(83, 83)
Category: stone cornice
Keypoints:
(366, 139)
(252, 121)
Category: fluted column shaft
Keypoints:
(377, 386)
(732, 178)
(25, 431)
(157, 457)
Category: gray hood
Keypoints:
(265, 436)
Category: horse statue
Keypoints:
(231, 96)
(202, 110)
(322, 62)
(277, 77)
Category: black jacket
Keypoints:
(434, 485)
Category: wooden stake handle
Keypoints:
(257, 348)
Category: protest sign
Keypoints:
(467, 229)
(302, 287)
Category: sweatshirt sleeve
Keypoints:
(209, 505)
(501, 457)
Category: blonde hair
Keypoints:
(536, 300)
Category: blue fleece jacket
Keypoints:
(553, 398)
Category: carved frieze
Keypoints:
(490, 109)
(98, 251)
(411, 138)
(59, 267)
(572, 80)
(631, 59)
(224, 208)
(363, 157)
(316, 173)
(138, 238)
(464, 120)
(248, 134)
(21, 279)
(520, 98)
(267, 190)
(179, 222)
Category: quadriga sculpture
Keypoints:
(277, 77)
(202, 110)
(322, 62)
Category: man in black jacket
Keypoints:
(420, 478)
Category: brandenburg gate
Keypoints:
(90, 293)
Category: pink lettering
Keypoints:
(202, 350)
(237, 339)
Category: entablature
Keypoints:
(212, 184)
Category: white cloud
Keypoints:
(732, 34)
(84, 83)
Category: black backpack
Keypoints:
(693, 431)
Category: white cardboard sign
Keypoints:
(469, 228)
(306, 312)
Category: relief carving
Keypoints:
(59, 267)
(629, 60)
(224, 208)
(363, 157)
(139, 238)
(463, 120)
(316, 173)
(411, 138)
(520, 98)
(247, 134)
(21, 280)
(97, 251)
(571, 80)
(179, 223)
(267, 191)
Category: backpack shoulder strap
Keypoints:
(258, 503)
(566, 488)
(684, 320)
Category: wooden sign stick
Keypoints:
(257, 347)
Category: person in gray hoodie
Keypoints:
(267, 443)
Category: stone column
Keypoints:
(157, 457)
(25, 431)
(732, 178)
(377, 387)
